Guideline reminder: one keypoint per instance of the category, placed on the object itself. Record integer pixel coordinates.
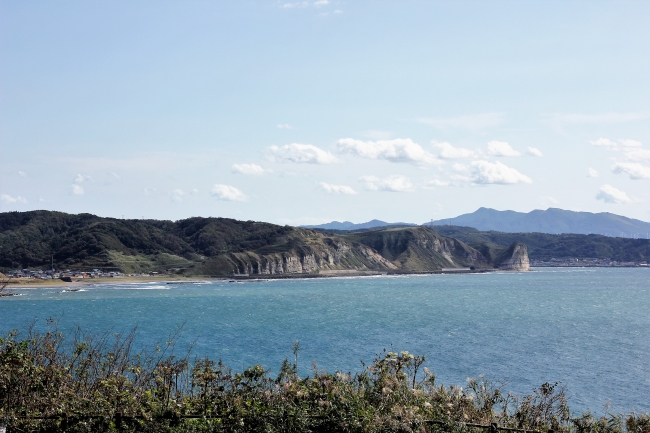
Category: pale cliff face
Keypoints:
(517, 258)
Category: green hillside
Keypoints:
(218, 246)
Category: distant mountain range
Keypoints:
(551, 221)
(347, 225)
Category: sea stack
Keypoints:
(515, 258)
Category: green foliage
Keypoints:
(32, 239)
(100, 384)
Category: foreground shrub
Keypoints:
(101, 384)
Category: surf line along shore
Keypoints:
(19, 283)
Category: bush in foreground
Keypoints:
(101, 384)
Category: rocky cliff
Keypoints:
(318, 252)
(420, 249)
(514, 258)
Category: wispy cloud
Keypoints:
(6, 198)
(227, 193)
(501, 148)
(616, 146)
(471, 122)
(397, 150)
(592, 172)
(434, 183)
(337, 189)
(22, 173)
(178, 194)
(249, 169)
(533, 151)
(299, 154)
(609, 194)
(82, 178)
(284, 126)
(486, 173)
(393, 183)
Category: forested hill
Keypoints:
(542, 246)
(220, 246)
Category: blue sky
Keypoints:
(307, 112)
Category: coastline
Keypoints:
(181, 279)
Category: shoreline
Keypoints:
(181, 279)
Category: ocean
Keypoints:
(587, 328)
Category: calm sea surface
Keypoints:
(587, 328)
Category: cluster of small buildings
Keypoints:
(575, 262)
(53, 274)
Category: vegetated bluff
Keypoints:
(221, 246)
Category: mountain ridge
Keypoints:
(551, 221)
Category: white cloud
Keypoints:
(82, 178)
(284, 126)
(592, 173)
(116, 176)
(336, 189)
(252, 169)
(76, 189)
(299, 154)
(609, 194)
(634, 170)
(535, 151)
(459, 167)
(227, 193)
(433, 183)
(149, 191)
(22, 173)
(6, 198)
(397, 150)
(320, 3)
(637, 155)
(391, 183)
(501, 148)
(447, 151)
(486, 173)
(476, 121)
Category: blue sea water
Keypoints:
(586, 328)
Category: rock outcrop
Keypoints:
(514, 258)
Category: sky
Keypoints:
(304, 112)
